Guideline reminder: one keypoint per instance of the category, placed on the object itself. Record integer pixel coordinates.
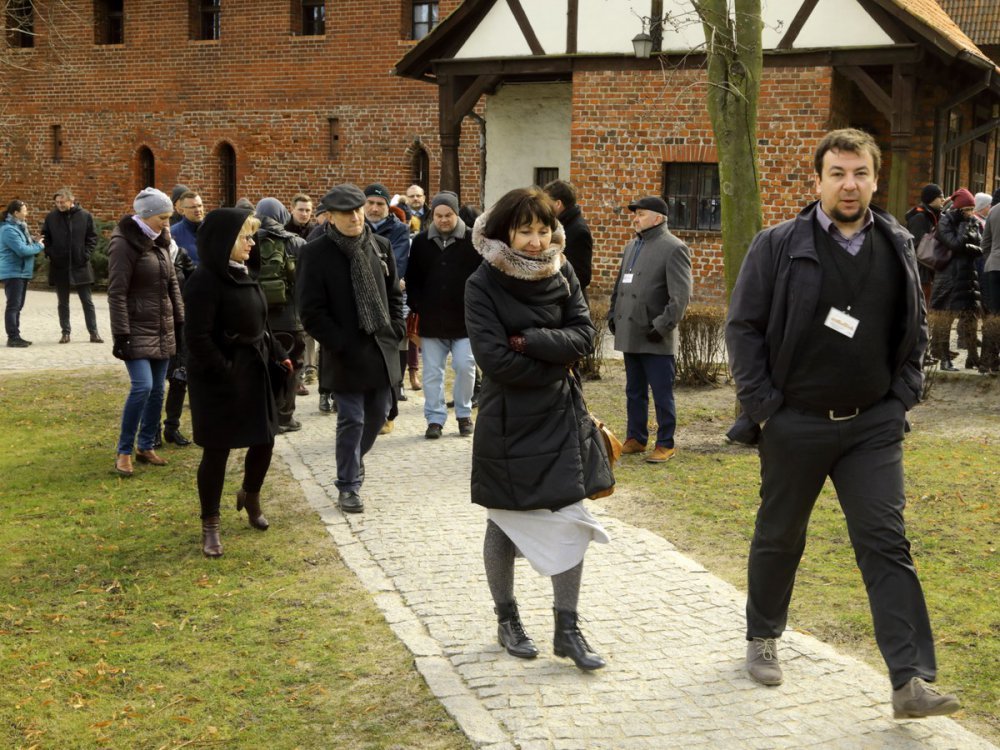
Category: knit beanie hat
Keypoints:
(177, 192)
(377, 190)
(962, 198)
(996, 196)
(982, 201)
(445, 198)
(150, 202)
(930, 193)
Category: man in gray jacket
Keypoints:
(990, 286)
(650, 295)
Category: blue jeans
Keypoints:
(645, 372)
(142, 407)
(16, 290)
(360, 416)
(86, 299)
(462, 362)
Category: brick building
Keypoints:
(901, 69)
(279, 96)
(241, 98)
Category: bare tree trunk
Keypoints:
(735, 62)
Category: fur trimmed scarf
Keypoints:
(518, 265)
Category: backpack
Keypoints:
(277, 270)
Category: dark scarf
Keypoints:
(372, 311)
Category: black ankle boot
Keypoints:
(569, 641)
(510, 632)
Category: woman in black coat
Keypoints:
(956, 288)
(536, 453)
(231, 358)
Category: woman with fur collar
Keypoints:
(535, 454)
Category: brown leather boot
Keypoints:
(415, 380)
(251, 501)
(123, 465)
(211, 545)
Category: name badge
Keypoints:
(842, 322)
(627, 278)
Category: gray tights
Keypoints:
(498, 555)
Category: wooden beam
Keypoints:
(525, 25)
(470, 96)
(572, 22)
(801, 16)
(655, 25)
(901, 129)
(451, 135)
(971, 135)
(872, 91)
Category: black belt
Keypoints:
(834, 415)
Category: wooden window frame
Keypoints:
(694, 175)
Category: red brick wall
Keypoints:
(267, 93)
(627, 124)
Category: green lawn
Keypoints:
(116, 632)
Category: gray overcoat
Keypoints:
(657, 295)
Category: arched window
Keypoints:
(227, 175)
(147, 168)
(421, 168)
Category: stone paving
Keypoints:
(672, 632)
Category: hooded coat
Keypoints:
(535, 446)
(956, 287)
(144, 297)
(228, 343)
(70, 239)
(351, 361)
(273, 216)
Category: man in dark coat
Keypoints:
(185, 230)
(650, 296)
(579, 240)
(826, 334)
(350, 302)
(921, 219)
(70, 239)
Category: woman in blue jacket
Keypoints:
(17, 265)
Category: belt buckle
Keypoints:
(835, 418)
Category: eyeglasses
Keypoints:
(247, 238)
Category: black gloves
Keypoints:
(120, 348)
(654, 336)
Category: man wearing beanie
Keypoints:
(350, 302)
(990, 359)
(441, 260)
(175, 197)
(826, 334)
(921, 219)
(384, 223)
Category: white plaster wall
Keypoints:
(527, 126)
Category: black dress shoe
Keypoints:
(18, 343)
(947, 366)
(325, 403)
(350, 502)
(175, 437)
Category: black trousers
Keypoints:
(295, 344)
(864, 459)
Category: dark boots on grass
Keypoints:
(568, 640)
(211, 545)
(251, 501)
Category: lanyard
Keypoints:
(861, 284)
(635, 255)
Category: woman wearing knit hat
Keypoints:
(956, 287)
(146, 315)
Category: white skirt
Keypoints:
(553, 542)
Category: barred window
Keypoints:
(692, 195)
(20, 23)
(205, 19)
(109, 21)
(425, 18)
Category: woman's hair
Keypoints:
(517, 208)
(252, 223)
(14, 206)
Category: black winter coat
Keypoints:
(956, 287)
(435, 284)
(579, 243)
(534, 441)
(351, 361)
(70, 238)
(229, 347)
(143, 295)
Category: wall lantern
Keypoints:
(642, 42)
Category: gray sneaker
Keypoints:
(762, 661)
(916, 699)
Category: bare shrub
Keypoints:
(701, 353)
(590, 366)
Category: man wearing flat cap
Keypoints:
(649, 299)
(350, 302)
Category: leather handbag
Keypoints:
(600, 446)
(613, 448)
(932, 253)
